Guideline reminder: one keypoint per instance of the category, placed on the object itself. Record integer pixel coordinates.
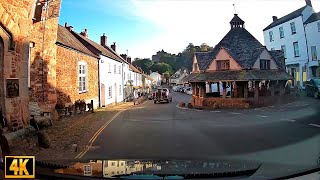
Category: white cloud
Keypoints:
(199, 21)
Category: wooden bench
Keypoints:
(37, 116)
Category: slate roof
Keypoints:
(103, 50)
(312, 18)
(286, 18)
(241, 75)
(278, 57)
(236, 18)
(67, 39)
(240, 44)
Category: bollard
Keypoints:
(92, 106)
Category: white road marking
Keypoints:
(216, 111)
(315, 125)
(199, 110)
(234, 113)
(262, 116)
(305, 105)
(289, 120)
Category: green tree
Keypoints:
(161, 68)
(145, 64)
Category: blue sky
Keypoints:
(146, 26)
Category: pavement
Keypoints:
(277, 134)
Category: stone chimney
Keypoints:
(113, 46)
(103, 40)
(85, 33)
(274, 18)
(129, 60)
(68, 27)
(124, 56)
(308, 2)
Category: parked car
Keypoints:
(313, 87)
(189, 91)
(162, 94)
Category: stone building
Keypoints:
(253, 75)
(77, 70)
(28, 31)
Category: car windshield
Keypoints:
(160, 88)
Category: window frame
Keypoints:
(115, 69)
(119, 69)
(314, 52)
(87, 170)
(318, 24)
(82, 74)
(120, 90)
(271, 36)
(223, 65)
(109, 67)
(293, 28)
(296, 49)
(281, 31)
(110, 92)
(265, 64)
(283, 48)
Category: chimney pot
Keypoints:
(103, 40)
(309, 3)
(85, 33)
(274, 18)
(113, 46)
(65, 24)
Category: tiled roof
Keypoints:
(278, 56)
(66, 38)
(242, 75)
(312, 18)
(240, 44)
(205, 58)
(286, 18)
(103, 50)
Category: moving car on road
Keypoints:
(162, 94)
(313, 87)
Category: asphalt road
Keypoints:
(288, 133)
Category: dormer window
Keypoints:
(223, 65)
(264, 64)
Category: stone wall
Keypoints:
(15, 29)
(67, 76)
(43, 59)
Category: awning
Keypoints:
(243, 75)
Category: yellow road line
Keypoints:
(95, 136)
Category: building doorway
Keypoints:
(115, 93)
(103, 95)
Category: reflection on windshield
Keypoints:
(164, 169)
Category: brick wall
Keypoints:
(67, 76)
